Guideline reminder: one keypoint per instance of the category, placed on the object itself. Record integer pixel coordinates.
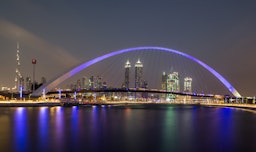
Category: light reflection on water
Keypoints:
(59, 129)
(43, 126)
(168, 132)
(127, 128)
(20, 129)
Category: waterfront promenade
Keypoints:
(56, 102)
(28, 103)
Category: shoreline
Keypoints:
(58, 103)
(31, 103)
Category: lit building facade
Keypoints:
(98, 83)
(85, 83)
(188, 84)
(127, 74)
(138, 74)
(91, 82)
(173, 84)
(28, 84)
(164, 84)
(164, 81)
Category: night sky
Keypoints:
(63, 33)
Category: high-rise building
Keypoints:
(91, 82)
(164, 84)
(138, 74)
(28, 84)
(98, 82)
(188, 84)
(173, 84)
(18, 76)
(164, 81)
(127, 74)
(78, 84)
(85, 83)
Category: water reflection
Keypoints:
(169, 132)
(225, 128)
(21, 129)
(59, 129)
(94, 127)
(43, 126)
(75, 124)
(5, 130)
(130, 128)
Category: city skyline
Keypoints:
(170, 82)
(130, 75)
(139, 82)
(221, 34)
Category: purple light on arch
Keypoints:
(55, 82)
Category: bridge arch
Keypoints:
(56, 81)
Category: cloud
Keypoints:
(14, 32)
(52, 59)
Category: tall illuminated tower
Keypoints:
(18, 76)
(138, 74)
(127, 74)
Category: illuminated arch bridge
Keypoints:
(55, 82)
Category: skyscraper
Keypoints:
(85, 83)
(164, 81)
(18, 76)
(164, 84)
(127, 74)
(173, 84)
(78, 84)
(188, 84)
(138, 74)
(28, 85)
(98, 83)
(91, 82)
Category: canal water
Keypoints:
(131, 128)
